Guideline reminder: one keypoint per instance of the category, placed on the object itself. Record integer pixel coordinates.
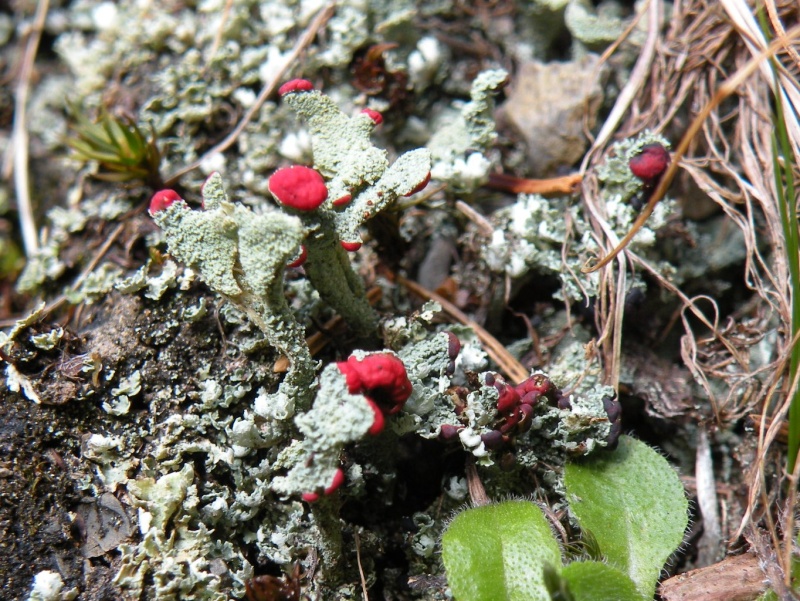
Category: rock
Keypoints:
(546, 106)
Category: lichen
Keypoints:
(459, 148)
(356, 169)
(154, 285)
(215, 461)
(539, 236)
(48, 586)
(242, 255)
(337, 419)
(177, 553)
(127, 388)
(595, 29)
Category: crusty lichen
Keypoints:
(177, 553)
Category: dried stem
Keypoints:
(30, 236)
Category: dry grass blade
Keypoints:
(728, 88)
(19, 145)
(720, 66)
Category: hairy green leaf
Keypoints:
(498, 553)
(595, 581)
(633, 503)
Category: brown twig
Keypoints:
(782, 435)
(477, 493)
(484, 226)
(226, 13)
(557, 186)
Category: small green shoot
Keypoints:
(630, 500)
(121, 149)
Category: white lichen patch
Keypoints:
(529, 237)
(177, 552)
(113, 458)
(49, 586)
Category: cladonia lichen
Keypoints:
(537, 236)
(361, 183)
(242, 255)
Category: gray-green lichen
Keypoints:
(178, 553)
(357, 170)
(195, 530)
(459, 148)
(529, 237)
(338, 418)
(127, 388)
(539, 236)
(242, 255)
(15, 380)
(619, 184)
(212, 58)
(594, 28)
(434, 405)
(154, 286)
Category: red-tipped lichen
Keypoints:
(163, 199)
(381, 376)
(295, 85)
(336, 482)
(342, 200)
(376, 117)
(301, 258)
(298, 187)
(650, 164)
(379, 422)
(420, 186)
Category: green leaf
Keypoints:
(498, 553)
(633, 503)
(595, 581)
